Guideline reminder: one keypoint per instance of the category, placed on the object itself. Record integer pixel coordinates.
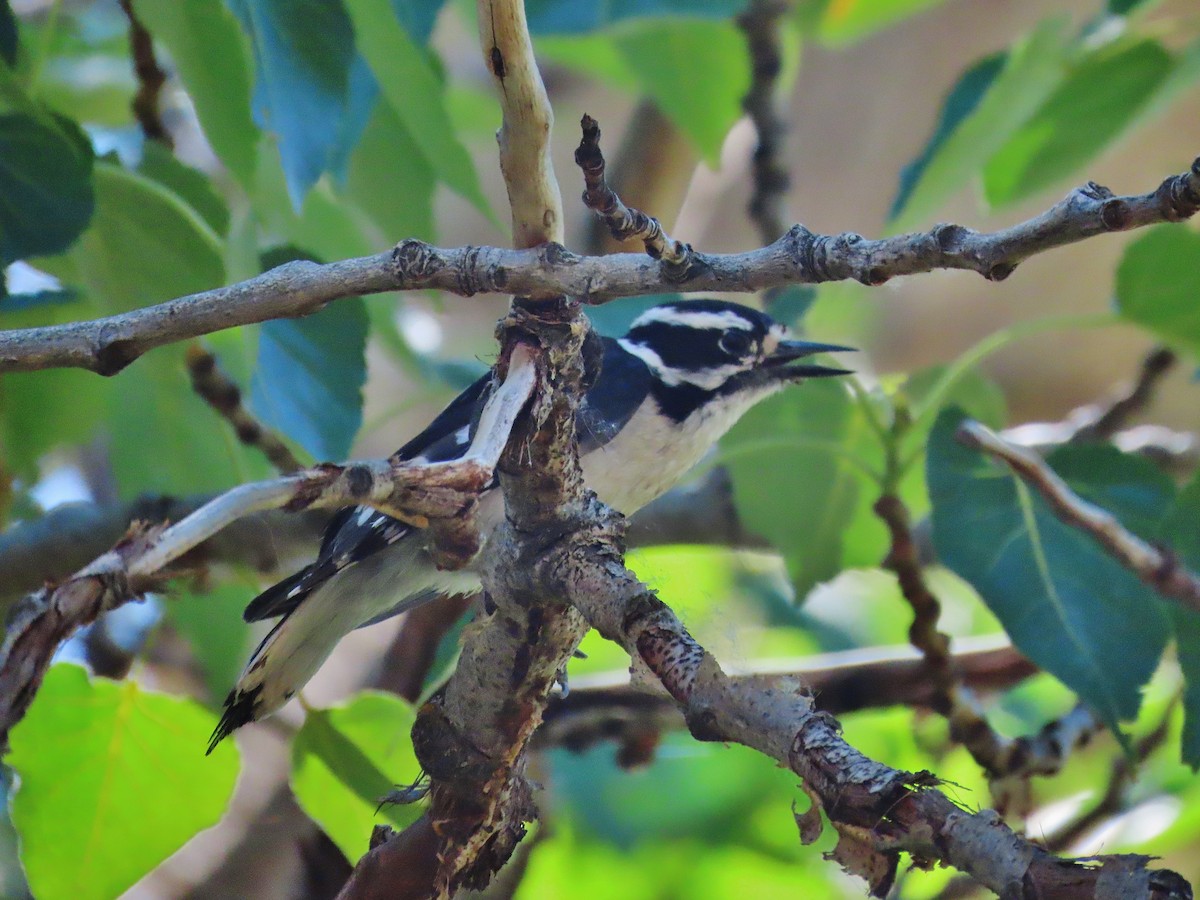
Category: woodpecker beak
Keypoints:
(789, 351)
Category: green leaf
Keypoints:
(9, 38)
(844, 21)
(1085, 114)
(145, 244)
(807, 438)
(1066, 603)
(1158, 282)
(113, 780)
(211, 623)
(700, 92)
(412, 88)
(1033, 67)
(209, 53)
(789, 304)
(1181, 533)
(400, 204)
(40, 411)
(305, 92)
(346, 759)
(309, 377)
(193, 186)
(46, 196)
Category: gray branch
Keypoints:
(801, 256)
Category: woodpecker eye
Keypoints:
(737, 343)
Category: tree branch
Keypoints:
(760, 22)
(799, 257)
(441, 495)
(1158, 568)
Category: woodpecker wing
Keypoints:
(619, 391)
(356, 532)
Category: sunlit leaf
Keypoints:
(851, 20)
(1067, 604)
(112, 781)
(346, 759)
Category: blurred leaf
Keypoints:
(9, 38)
(851, 20)
(1181, 533)
(595, 55)
(583, 16)
(418, 17)
(613, 319)
(211, 622)
(310, 373)
(161, 165)
(46, 195)
(700, 92)
(346, 759)
(789, 304)
(806, 438)
(1033, 67)
(145, 244)
(90, 754)
(964, 98)
(400, 203)
(1085, 114)
(163, 438)
(209, 52)
(303, 87)
(40, 411)
(412, 87)
(1158, 282)
(1066, 603)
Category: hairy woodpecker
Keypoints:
(667, 390)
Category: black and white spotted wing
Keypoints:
(356, 532)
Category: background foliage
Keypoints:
(341, 130)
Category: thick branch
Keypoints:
(799, 257)
(877, 811)
(524, 137)
(1158, 568)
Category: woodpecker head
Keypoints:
(714, 348)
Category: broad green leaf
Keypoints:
(412, 87)
(399, 202)
(1085, 114)
(851, 20)
(161, 165)
(1033, 67)
(8, 34)
(209, 53)
(113, 780)
(701, 93)
(585, 16)
(211, 622)
(789, 304)
(418, 16)
(164, 438)
(595, 55)
(145, 244)
(304, 92)
(346, 759)
(1181, 533)
(1158, 282)
(46, 195)
(1068, 605)
(807, 438)
(309, 376)
(40, 411)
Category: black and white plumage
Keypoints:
(666, 392)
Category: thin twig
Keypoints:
(1107, 421)
(220, 392)
(624, 223)
(150, 77)
(799, 257)
(1158, 568)
(768, 208)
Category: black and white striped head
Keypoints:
(712, 347)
